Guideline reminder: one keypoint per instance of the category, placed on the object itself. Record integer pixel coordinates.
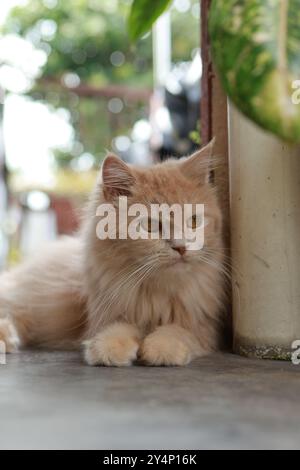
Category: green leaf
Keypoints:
(256, 48)
(143, 14)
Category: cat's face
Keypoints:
(181, 183)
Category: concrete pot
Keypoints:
(265, 237)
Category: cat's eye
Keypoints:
(151, 225)
(195, 221)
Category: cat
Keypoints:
(124, 300)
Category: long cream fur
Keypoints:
(124, 300)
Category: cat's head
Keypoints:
(181, 183)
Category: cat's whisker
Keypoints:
(227, 261)
(108, 300)
(219, 268)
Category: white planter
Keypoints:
(265, 237)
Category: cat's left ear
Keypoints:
(198, 165)
(117, 178)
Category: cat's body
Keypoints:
(44, 296)
(124, 299)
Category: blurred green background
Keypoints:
(86, 43)
(72, 86)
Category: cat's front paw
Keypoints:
(118, 346)
(162, 350)
(111, 351)
(9, 335)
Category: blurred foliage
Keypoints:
(76, 183)
(185, 32)
(143, 14)
(185, 23)
(80, 36)
(195, 135)
(67, 182)
(87, 42)
(90, 38)
(255, 46)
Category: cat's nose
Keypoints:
(180, 249)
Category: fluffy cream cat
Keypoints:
(124, 300)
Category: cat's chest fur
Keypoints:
(187, 300)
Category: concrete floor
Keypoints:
(52, 400)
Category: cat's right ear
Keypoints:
(117, 178)
(198, 166)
